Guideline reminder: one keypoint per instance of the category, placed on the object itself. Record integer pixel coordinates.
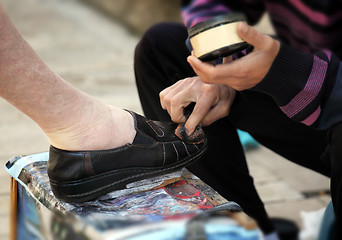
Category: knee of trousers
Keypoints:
(160, 37)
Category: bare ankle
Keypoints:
(109, 129)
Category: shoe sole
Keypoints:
(99, 185)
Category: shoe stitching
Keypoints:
(119, 149)
(176, 151)
(114, 150)
(88, 164)
(158, 134)
(145, 146)
(159, 124)
(186, 149)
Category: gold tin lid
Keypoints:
(216, 21)
(217, 37)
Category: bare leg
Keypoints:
(71, 119)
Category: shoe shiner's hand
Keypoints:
(213, 101)
(245, 72)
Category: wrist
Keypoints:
(288, 73)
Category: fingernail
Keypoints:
(243, 27)
(189, 59)
(187, 129)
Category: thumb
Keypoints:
(251, 35)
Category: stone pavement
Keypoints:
(95, 54)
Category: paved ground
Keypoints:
(96, 55)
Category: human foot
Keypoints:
(99, 127)
(77, 176)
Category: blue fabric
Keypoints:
(328, 224)
(247, 140)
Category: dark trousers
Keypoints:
(160, 61)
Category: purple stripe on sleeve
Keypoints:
(198, 20)
(200, 2)
(313, 117)
(207, 14)
(328, 53)
(312, 42)
(316, 16)
(310, 91)
(301, 29)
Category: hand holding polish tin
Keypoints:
(217, 37)
(245, 72)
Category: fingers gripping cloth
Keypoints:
(197, 136)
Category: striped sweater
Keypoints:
(305, 79)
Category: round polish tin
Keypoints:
(217, 37)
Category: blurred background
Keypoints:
(90, 43)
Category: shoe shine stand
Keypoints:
(173, 206)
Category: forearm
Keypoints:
(29, 84)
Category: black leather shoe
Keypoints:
(78, 176)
